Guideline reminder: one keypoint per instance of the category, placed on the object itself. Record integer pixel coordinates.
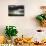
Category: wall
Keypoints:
(27, 24)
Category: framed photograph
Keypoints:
(15, 10)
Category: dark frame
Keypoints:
(15, 10)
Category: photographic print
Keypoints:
(15, 10)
